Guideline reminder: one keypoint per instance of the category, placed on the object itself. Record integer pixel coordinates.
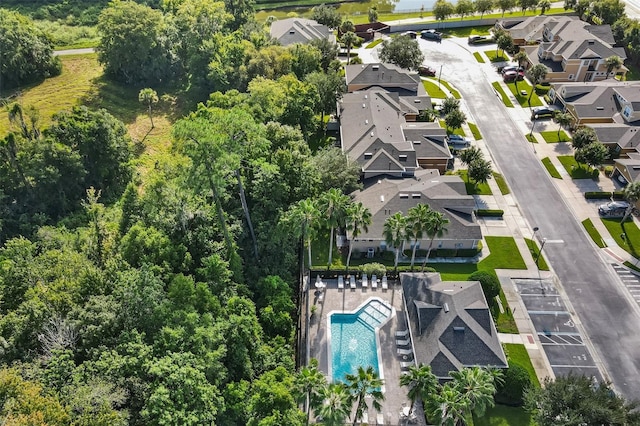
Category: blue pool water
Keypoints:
(353, 339)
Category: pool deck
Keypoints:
(346, 300)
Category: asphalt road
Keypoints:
(610, 318)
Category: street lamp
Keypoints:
(544, 240)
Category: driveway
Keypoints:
(610, 317)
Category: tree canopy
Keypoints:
(402, 51)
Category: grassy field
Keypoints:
(458, 131)
(551, 168)
(552, 136)
(627, 235)
(433, 90)
(577, 170)
(474, 131)
(453, 91)
(82, 83)
(531, 138)
(523, 100)
(534, 249)
(496, 55)
(68, 36)
(593, 233)
(502, 415)
(478, 57)
(502, 183)
(472, 189)
(518, 355)
(373, 44)
(505, 99)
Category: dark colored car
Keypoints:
(513, 75)
(477, 39)
(431, 35)
(426, 71)
(540, 112)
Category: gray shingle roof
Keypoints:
(446, 194)
(623, 135)
(299, 30)
(598, 98)
(450, 324)
(383, 75)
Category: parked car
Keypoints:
(431, 35)
(613, 209)
(513, 75)
(540, 112)
(411, 34)
(427, 71)
(477, 39)
(457, 141)
(510, 68)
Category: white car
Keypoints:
(457, 140)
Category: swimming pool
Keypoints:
(353, 339)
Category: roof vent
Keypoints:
(292, 32)
(366, 96)
(591, 42)
(458, 329)
(371, 134)
(415, 195)
(382, 198)
(404, 195)
(375, 67)
(416, 101)
(446, 307)
(366, 121)
(368, 155)
(600, 108)
(364, 105)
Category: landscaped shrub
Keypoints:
(516, 381)
(373, 268)
(603, 195)
(443, 253)
(489, 282)
(468, 252)
(489, 213)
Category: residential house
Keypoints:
(450, 324)
(446, 194)
(627, 170)
(608, 101)
(621, 139)
(572, 50)
(377, 130)
(390, 77)
(299, 30)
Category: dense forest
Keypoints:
(167, 298)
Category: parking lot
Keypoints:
(630, 280)
(556, 329)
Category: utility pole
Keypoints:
(439, 76)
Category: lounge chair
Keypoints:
(402, 333)
(352, 282)
(380, 419)
(374, 281)
(402, 342)
(365, 281)
(406, 365)
(385, 284)
(340, 281)
(405, 352)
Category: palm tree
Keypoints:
(437, 226)
(334, 205)
(336, 404)
(422, 383)
(303, 217)
(476, 387)
(394, 234)
(349, 39)
(417, 218)
(613, 62)
(537, 74)
(632, 195)
(544, 5)
(563, 119)
(521, 57)
(448, 406)
(363, 383)
(358, 219)
(309, 384)
(148, 96)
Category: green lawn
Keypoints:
(634, 72)
(631, 266)
(534, 249)
(458, 131)
(472, 189)
(494, 56)
(502, 183)
(593, 233)
(483, 30)
(373, 44)
(502, 415)
(518, 355)
(631, 239)
(453, 91)
(523, 100)
(531, 138)
(551, 168)
(433, 90)
(474, 130)
(478, 57)
(552, 136)
(576, 170)
(505, 99)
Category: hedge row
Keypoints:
(489, 213)
(603, 195)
